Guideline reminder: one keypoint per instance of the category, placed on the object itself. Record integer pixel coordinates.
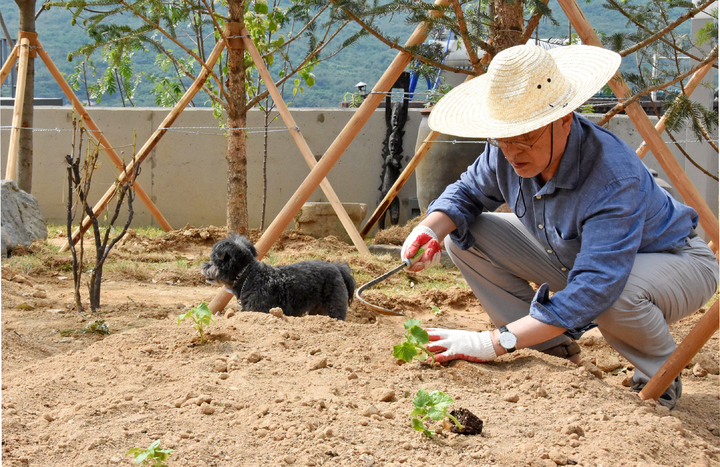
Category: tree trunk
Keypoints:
(237, 212)
(25, 149)
(509, 23)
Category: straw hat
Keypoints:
(526, 87)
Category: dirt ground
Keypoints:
(310, 391)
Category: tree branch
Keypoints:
(462, 26)
(622, 105)
(643, 27)
(394, 45)
(665, 30)
(179, 44)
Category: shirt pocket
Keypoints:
(567, 247)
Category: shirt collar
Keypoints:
(568, 172)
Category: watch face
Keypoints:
(507, 340)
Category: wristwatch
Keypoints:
(507, 339)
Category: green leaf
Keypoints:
(418, 335)
(405, 351)
(417, 424)
(422, 398)
(261, 8)
(440, 399)
(310, 80)
(411, 322)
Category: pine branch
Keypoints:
(666, 29)
(692, 161)
(532, 24)
(394, 45)
(474, 60)
(622, 105)
(644, 28)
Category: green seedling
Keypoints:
(432, 405)
(152, 456)
(416, 338)
(93, 327)
(436, 310)
(201, 316)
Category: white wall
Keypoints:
(186, 173)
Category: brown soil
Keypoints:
(274, 391)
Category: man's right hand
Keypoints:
(421, 237)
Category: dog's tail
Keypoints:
(348, 278)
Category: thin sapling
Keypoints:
(433, 405)
(201, 316)
(152, 456)
(416, 338)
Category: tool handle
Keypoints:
(409, 262)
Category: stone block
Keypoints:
(22, 221)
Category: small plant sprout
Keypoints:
(436, 310)
(416, 338)
(152, 456)
(432, 405)
(201, 316)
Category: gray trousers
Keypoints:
(662, 288)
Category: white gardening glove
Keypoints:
(422, 239)
(454, 344)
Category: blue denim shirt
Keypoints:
(600, 209)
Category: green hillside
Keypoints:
(365, 61)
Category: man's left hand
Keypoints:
(453, 344)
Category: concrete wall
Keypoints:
(186, 172)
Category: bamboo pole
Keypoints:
(333, 153)
(397, 186)
(302, 144)
(9, 63)
(11, 169)
(90, 123)
(685, 352)
(150, 144)
(689, 88)
(662, 153)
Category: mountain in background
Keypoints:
(365, 61)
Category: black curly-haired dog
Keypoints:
(313, 287)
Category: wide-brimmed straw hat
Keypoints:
(526, 87)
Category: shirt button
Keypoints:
(540, 226)
(563, 269)
(538, 197)
(549, 252)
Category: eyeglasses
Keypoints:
(516, 144)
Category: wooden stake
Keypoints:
(333, 153)
(667, 160)
(685, 352)
(11, 169)
(150, 144)
(90, 123)
(397, 186)
(9, 63)
(302, 144)
(689, 88)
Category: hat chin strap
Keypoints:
(552, 145)
(521, 196)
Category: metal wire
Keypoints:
(455, 141)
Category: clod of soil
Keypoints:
(472, 425)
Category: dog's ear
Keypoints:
(247, 244)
